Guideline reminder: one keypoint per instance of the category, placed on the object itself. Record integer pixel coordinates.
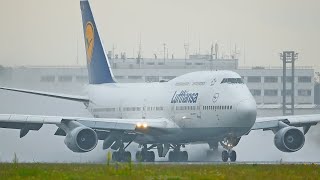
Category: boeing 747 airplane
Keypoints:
(200, 107)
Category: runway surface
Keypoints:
(228, 163)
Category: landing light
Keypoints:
(145, 125)
(142, 125)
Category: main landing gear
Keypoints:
(177, 155)
(228, 144)
(121, 155)
(145, 155)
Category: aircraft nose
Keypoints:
(247, 111)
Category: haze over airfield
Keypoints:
(37, 32)
(49, 36)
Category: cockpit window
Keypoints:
(232, 81)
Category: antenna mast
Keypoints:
(164, 52)
(186, 53)
(140, 52)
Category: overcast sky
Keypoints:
(37, 32)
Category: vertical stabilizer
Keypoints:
(98, 65)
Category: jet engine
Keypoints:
(81, 139)
(289, 139)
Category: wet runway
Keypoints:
(223, 163)
(228, 163)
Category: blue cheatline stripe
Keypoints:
(97, 62)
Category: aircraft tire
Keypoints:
(139, 157)
(225, 156)
(150, 156)
(171, 156)
(184, 156)
(233, 156)
(153, 156)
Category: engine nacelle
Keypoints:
(81, 139)
(289, 139)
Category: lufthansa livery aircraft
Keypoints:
(213, 107)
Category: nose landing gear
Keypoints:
(229, 154)
(228, 144)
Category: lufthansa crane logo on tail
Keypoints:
(89, 40)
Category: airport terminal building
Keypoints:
(265, 83)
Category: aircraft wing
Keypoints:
(270, 123)
(34, 122)
(55, 95)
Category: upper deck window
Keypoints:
(232, 81)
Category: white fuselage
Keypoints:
(200, 103)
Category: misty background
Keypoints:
(47, 33)
(36, 32)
